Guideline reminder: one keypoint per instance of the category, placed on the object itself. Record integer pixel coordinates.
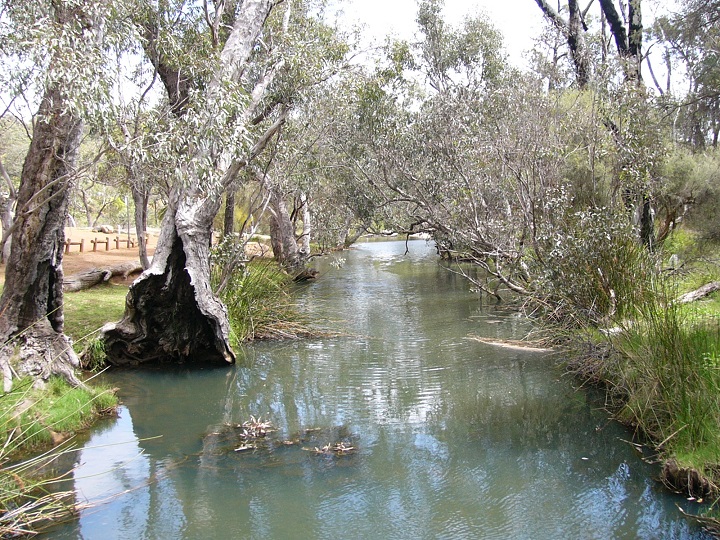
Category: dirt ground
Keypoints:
(75, 261)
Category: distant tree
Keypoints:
(692, 38)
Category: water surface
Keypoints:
(455, 438)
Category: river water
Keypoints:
(453, 438)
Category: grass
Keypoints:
(260, 305)
(87, 311)
(33, 419)
(662, 367)
(669, 380)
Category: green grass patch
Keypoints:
(87, 311)
(29, 417)
(670, 377)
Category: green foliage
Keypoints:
(593, 271)
(93, 355)
(697, 176)
(14, 144)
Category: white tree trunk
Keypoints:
(171, 312)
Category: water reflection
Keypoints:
(456, 438)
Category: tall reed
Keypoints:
(670, 379)
(260, 305)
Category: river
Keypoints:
(453, 438)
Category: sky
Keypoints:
(520, 21)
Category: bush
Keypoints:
(595, 271)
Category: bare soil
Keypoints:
(75, 261)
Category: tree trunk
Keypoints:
(31, 306)
(573, 30)
(6, 220)
(307, 228)
(229, 217)
(628, 41)
(141, 197)
(6, 214)
(282, 233)
(576, 43)
(171, 313)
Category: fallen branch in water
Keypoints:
(533, 346)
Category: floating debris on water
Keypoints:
(338, 449)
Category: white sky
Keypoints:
(520, 21)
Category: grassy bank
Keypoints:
(660, 363)
(40, 423)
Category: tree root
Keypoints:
(39, 352)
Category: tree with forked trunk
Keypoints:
(573, 30)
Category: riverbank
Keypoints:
(660, 372)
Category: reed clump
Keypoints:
(668, 379)
(260, 304)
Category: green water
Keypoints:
(454, 438)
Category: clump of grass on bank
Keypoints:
(260, 305)
(32, 419)
(668, 378)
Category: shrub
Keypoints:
(594, 271)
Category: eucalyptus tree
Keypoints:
(228, 100)
(692, 38)
(60, 47)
